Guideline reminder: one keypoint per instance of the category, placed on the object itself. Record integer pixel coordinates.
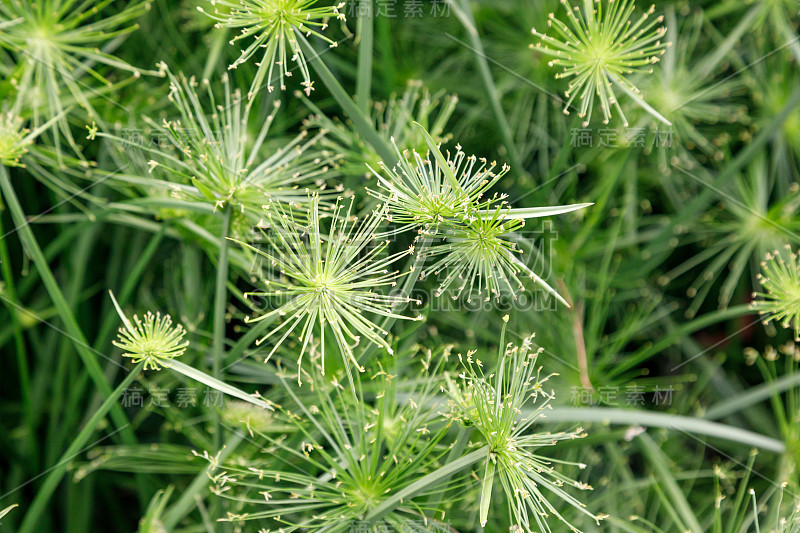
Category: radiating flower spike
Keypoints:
(422, 192)
(329, 281)
(209, 155)
(599, 49)
(780, 301)
(275, 25)
(58, 48)
(361, 453)
(504, 407)
(153, 340)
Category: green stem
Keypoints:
(753, 395)
(221, 294)
(436, 500)
(415, 265)
(220, 303)
(219, 39)
(365, 45)
(73, 330)
(50, 484)
(361, 122)
(386, 64)
(22, 355)
(658, 460)
(433, 478)
(464, 13)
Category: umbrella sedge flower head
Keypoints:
(329, 281)
(504, 407)
(598, 49)
(153, 340)
(424, 193)
(427, 194)
(274, 26)
(354, 460)
(209, 155)
(477, 253)
(780, 301)
(58, 50)
(479, 257)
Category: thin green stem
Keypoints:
(365, 47)
(464, 13)
(220, 304)
(22, 355)
(415, 264)
(659, 461)
(221, 294)
(436, 500)
(685, 424)
(361, 122)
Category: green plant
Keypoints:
(500, 411)
(599, 49)
(274, 25)
(56, 50)
(332, 278)
(392, 296)
(154, 340)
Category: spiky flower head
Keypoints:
(600, 48)
(447, 198)
(329, 281)
(354, 462)
(423, 193)
(14, 139)
(505, 407)
(58, 48)
(153, 340)
(479, 257)
(780, 301)
(274, 26)
(208, 154)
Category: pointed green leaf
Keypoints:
(205, 191)
(214, 383)
(544, 211)
(486, 490)
(440, 159)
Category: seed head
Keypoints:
(153, 340)
(274, 26)
(598, 49)
(780, 301)
(504, 407)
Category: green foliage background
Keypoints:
(660, 270)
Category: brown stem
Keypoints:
(577, 330)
